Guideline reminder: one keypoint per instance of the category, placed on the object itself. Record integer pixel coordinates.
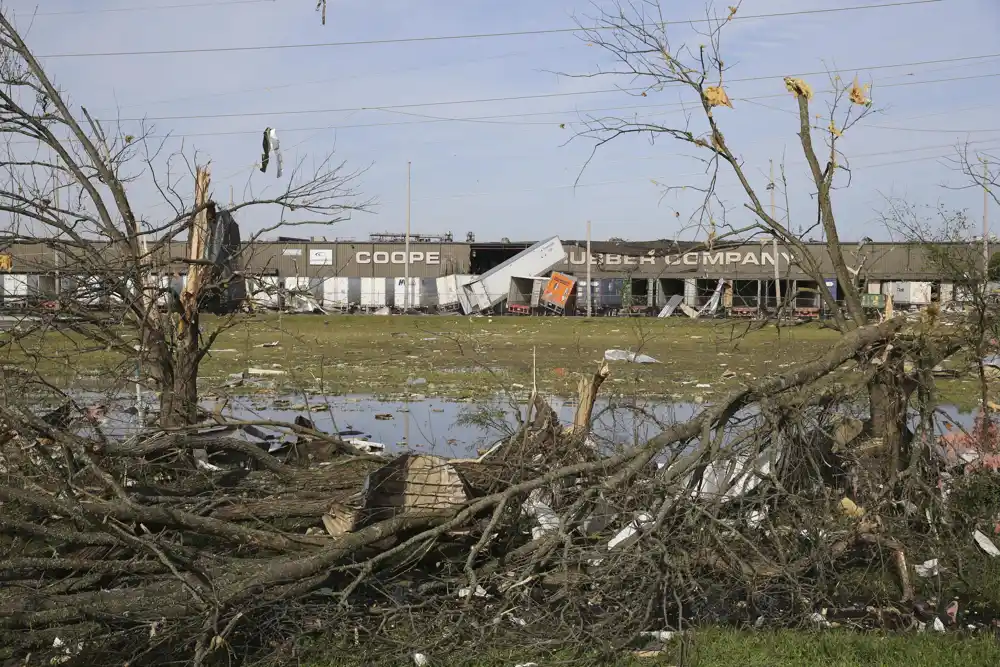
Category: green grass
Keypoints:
(729, 648)
(463, 357)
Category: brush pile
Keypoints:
(211, 545)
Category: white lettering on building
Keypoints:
(397, 257)
(729, 258)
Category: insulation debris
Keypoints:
(717, 97)
(859, 93)
(799, 88)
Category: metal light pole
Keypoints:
(406, 265)
(590, 298)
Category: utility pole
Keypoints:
(986, 221)
(774, 239)
(406, 266)
(589, 296)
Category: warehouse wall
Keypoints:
(753, 261)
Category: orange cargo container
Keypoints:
(559, 290)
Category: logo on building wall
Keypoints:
(321, 257)
(397, 257)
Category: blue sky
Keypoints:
(513, 176)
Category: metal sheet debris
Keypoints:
(632, 357)
(986, 544)
(671, 306)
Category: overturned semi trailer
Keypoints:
(448, 289)
(492, 287)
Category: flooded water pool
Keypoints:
(440, 426)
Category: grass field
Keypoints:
(463, 357)
(722, 648)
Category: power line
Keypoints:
(501, 56)
(117, 10)
(350, 77)
(937, 131)
(485, 35)
(511, 98)
(500, 117)
(571, 186)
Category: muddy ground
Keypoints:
(463, 357)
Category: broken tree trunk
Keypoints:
(587, 394)
(179, 401)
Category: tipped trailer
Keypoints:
(488, 290)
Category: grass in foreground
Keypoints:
(471, 357)
(724, 648)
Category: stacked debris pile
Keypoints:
(237, 541)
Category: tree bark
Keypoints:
(887, 399)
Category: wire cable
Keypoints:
(675, 178)
(471, 36)
(116, 10)
(511, 98)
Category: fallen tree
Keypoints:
(751, 512)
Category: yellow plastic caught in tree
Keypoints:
(717, 97)
(859, 93)
(851, 509)
(798, 87)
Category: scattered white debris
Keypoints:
(480, 592)
(755, 517)
(986, 544)
(625, 355)
(938, 625)
(58, 643)
(703, 386)
(421, 660)
(547, 519)
(929, 568)
(264, 371)
(819, 619)
(526, 664)
(367, 446)
(640, 522)
(205, 465)
(660, 635)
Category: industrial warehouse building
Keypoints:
(638, 275)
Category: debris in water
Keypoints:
(383, 416)
(271, 344)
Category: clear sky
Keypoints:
(512, 175)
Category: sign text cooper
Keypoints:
(397, 257)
